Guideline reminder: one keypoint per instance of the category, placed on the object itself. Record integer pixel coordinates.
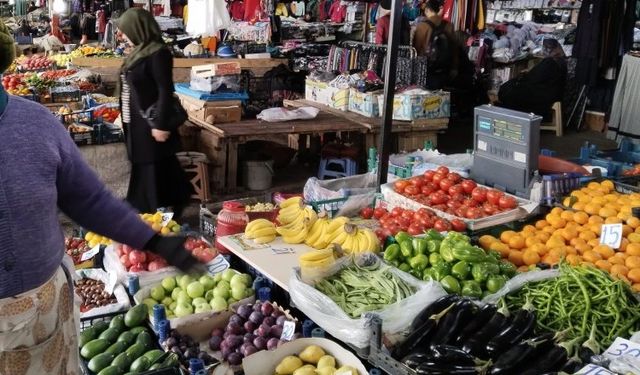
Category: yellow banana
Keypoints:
(324, 262)
(298, 238)
(374, 243)
(264, 239)
(291, 217)
(262, 232)
(361, 242)
(291, 210)
(291, 202)
(316, 255)
(337, 223)
(292, 231)
(317, 231)
(257, 222)
(310, 214)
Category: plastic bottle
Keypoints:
(231, 220)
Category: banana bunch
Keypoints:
(354, 240)
(296, 231)
(261, 231)
(292, 211)
(324, 230)
(317, 259)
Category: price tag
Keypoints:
(288, 330)
(611, 235)
(90, 254)
(622, 347)
(217, 265)
(284, 250)
(591, 369)
(110, 286)
(166, 218)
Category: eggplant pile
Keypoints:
(455, 336)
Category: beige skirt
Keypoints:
(38, 332)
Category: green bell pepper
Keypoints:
(428, 274)
(492, 269)
(446, 252)
(415, 273)
(450, 284)
(433, 246)
(420, 245)
(404, 267)
(471, 289)
(435, 258)
(419, 262)
(441, 270)
(461, 270)
(495, 283)
(402, 236)
(392, 253)
(494, 256)
(406, 248)
(468, 253)
(479, 272)
(433, 234)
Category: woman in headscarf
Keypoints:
(537, 90)
(157, 179)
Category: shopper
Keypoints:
(157, 179)
(433, 39)
(383, 25)
(41, 171)
(537, 90)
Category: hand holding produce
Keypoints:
(313, 360)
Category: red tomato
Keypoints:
(408, 214)
(424, 212)
(471, 202)
(366, 213)
(454, 177)
(411, 190)
(441, 225)
(379, 212)
(403, 222)
(461, 211)
(474, 213)
(458, 225)
(139, 267)
(380, 234)
(493, 196)
(455, 189)
(438, 198)
(443, 170)
(397, 211)
(438, 177)
(125, 261)
(400, 185)
(468, 186)
(507, 202)
(428, 188)
(445, 184)
(479, 194)
(426, 222)
(414, 229)
(428, 175)
(489, 209)
(417, 181)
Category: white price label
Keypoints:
(90, 254)
(166, 218)
(288, 330)
(611, 235)
(591, 369)
(622, 347)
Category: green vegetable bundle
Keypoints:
(584, 301)
(361, 289)
(460, 267)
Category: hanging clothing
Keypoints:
(207, 17)
(625, 109)
(382, 29)
(252, 10)
(337, 12)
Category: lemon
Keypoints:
(89, 236)
(165, 231)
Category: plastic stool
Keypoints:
(349, 167)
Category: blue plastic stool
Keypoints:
(348, 167)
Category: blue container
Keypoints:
(317, 332)
(159, 314)
(258, 283)
(264, 294)
(375, 371)
(307, 327)
(195, 365)
(164, 326)
(133, 284)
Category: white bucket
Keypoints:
(258, 175)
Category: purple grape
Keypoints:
(214, 343)
(244, 311)
(234, 359)
(235, 318)
(267, 309)
(256, 317)
(260, 343)
(272, 343)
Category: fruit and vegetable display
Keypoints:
(185, 294)
(254, 327)
(460, 267)
(54, 75)
(454, 336)
(61, 59)
(94, 239)
(107, 114)
(410, 221)
(185, 348)
(15, 84)
(123, 345)
(75, 247)
(34, 62)
(585, 303)
(92, 294)
(450, 193)
(359, 289)
(313, 360)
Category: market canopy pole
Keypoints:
(389, 91)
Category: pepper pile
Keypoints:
(460, 267)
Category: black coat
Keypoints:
(150, 82)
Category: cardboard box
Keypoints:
(321, 92)
(265, 362)
(420, 104)
(364, 103)
(214, 112)
(217, 69)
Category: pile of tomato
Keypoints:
(15, 84)
(410, 221)
(449, 192)
(108, 114)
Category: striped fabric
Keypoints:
(126, 101)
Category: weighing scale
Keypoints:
(506, 148)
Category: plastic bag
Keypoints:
(212, 84)
(119, 292)
(519, 281)
(360, 190)
(328, 315)
(283, 114)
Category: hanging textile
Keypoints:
(625, 109)
(207, 17)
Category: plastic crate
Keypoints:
(106, 133)
(84, 139)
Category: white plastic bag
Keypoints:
(361, 190)
(518, 282)
(328, 315)
(119, 292)
(283, 114)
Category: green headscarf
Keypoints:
(144, 32)
(7, 47)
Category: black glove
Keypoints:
(173, 251)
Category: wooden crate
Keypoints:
(216, 150)
(415, 140)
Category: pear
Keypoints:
(326, 370)
(347, 370)
(305, 370)
(312, 354)
(326, 361)
(288, 365)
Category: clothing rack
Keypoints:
(352, 55)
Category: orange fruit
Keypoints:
(486, 240)
(594, 242)
(632, 262)
(588, 235)
(559, 252)
(503, 249)
(559, 223)
(626, 230)
(633, 222)
(543, 236)
(603, 265)
(577, 241)
(516, 242)
(634, 275)
(530, 257)
(571, 250)
(607, 212)
(539, 248)
(635, 287)
(557, 211)
(567, 215)
(619, 270)
(530, 241)
(637, 230)
(607, 184)
(573, 260)
(605, 251)
(591, 208)
(579, 206)
(633, 249)
(613, 220)
(623, 244)
(569, 233)
(616, 260)
(523, 268)
(591, 256)
(551, 229)
(582, 248)
(551, 259)
(580, 217)
(634, 238)
(541, 224)
(506, 235)
(529, 229)
(594, 219)
(596, 228)
(555, 241)
(515, 257)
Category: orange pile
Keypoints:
(575, 236)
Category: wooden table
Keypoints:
(277, 267)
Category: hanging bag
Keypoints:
(176, 116)
(439, 50)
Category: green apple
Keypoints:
(183, 297)
(173, 305)
(231, 301)
(185, 280)
(221, 291)
(169, 283)
(209, 295)
(183, 309)
(224, 283)
(195, 289)
(228, 274)
(167, 301)
(199, 301)
(207, 282)
(171, 315)
(249, 292)
(150, 302)
(218, 304)
(157, 293)
(247, 279)
(237, 291)
(237, 279)
(217, 277)
(175, 293)
(202, 308)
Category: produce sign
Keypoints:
(359, 289)
(454, 336)
(122, 345)
(93, 294)
(185, 348)
(413, 222)
(584, 301)
(313, 360)
(253, 328)
(460, 267)
(185, 295)
(450, 193)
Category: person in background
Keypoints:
(536, 90)
(157, 179)
(383, 25)
(433, 38)
(40, 175)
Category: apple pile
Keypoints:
(185, 295)
(253, 328)
(139, 260)
(200, 249)
(36, 62)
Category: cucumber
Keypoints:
(111, 335)
(153, 355)
(118, 323)
(140, 365)
(145, 339)
(87, 335)
(127, 337)
(100, 362)
(157, 366)
(135, 316)
(100, 326)
(111, 370)
(93, 348)
(117, 348)
(136, 350)
(138, 330)
(122, 362)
